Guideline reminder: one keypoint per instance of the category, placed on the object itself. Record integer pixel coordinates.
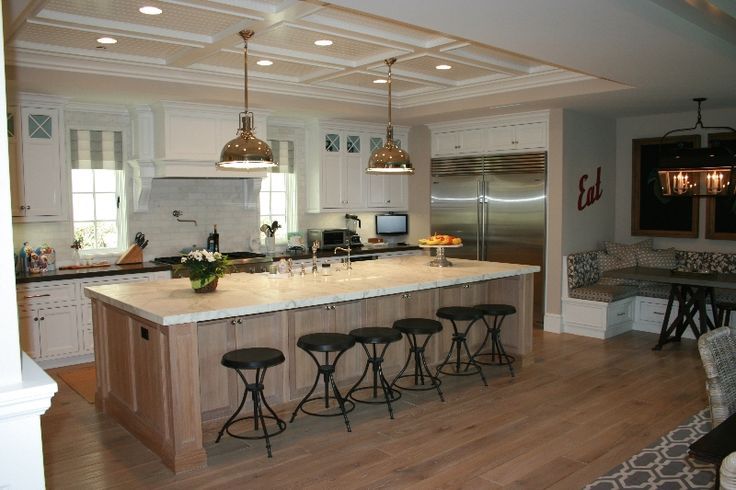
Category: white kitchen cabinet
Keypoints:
(490, 135)
(336, 178)
(460, 142)
(37, 163)
(518, 137)
(55, 317)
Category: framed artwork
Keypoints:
(720, 212)
(653, 214)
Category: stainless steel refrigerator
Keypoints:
(496, 204)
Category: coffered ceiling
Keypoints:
(610, 57)
(192, 51)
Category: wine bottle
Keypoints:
(216, 240)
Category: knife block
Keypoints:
(134, 255)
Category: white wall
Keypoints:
(655, 126)
(588, 143)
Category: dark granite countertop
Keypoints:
(112, 270)
(355, 251)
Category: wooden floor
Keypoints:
(585, 406)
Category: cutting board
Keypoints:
(88, 266)
(134, 255)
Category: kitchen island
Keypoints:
(158, 345)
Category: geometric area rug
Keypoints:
(664, 464)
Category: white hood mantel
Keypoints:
(183, 140)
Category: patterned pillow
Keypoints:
(627, 251)
(607, 262)
(660, 259)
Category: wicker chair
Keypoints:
(718, 353)
(728, 472)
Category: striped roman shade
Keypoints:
(97, 149)
(283, 154)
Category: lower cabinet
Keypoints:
(55, 318)
(48, 332)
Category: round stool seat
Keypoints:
(496, 309)
(460, 313)
(418, 326)
(326, 342)
(376, 335)
(253, 358)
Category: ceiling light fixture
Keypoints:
(150, 10)
(389, 159)
(245, 151)
(264, 62)
(443, 67)
(697, 172)
(107, 40)
(323, 42)
(380, 80)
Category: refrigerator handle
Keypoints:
(479, 218)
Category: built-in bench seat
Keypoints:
(601, 307)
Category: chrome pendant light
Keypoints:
(390, 159)
(245, 151)
(697, 172)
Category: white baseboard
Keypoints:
(552, 323)
(65, 361)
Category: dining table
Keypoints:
(692, 290)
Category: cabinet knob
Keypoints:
(466, 286)
(389, 201)
(43, 318)
(22, 208)
(232, 322)
(35, 318)
(240, 321)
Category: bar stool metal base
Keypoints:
(326, 343)
(375, 361)
(460, 343)
(499, 313)
(412, 327)
(256, 391)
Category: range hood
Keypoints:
(179, 140)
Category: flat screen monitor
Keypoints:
(392, 224)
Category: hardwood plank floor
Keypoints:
(583, 407)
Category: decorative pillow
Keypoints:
(660, 259)
(627, 250)
(607, 262)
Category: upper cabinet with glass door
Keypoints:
(37, 167)
(336, 178)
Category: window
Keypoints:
(278, 191)
(97, 188)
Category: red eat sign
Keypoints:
(592, 194)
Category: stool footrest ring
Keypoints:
(395, 395)
(423, 387)
(279, 423)
(349, 406)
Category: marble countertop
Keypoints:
(171, 302)
(111, 270)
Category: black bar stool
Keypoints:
(459, 341)
(260, 359)
(498, 312)
(375, 336)
(326, 342)
(413, 327)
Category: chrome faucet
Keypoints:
(348, 249)
(315, 247)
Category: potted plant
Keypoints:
(205, 268)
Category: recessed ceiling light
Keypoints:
(443, 67)
(323, 42)
(380, 80)
(264, 62)
(107, 40)
(150, 10)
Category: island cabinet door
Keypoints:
(464, 295)
(221, 389)
(338, 317)
(383, 311)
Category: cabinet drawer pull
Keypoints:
(37, 296)
(660, 313)
(466, 286)
(621, 314)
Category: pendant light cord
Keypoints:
(389, 129)
(245, 34)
